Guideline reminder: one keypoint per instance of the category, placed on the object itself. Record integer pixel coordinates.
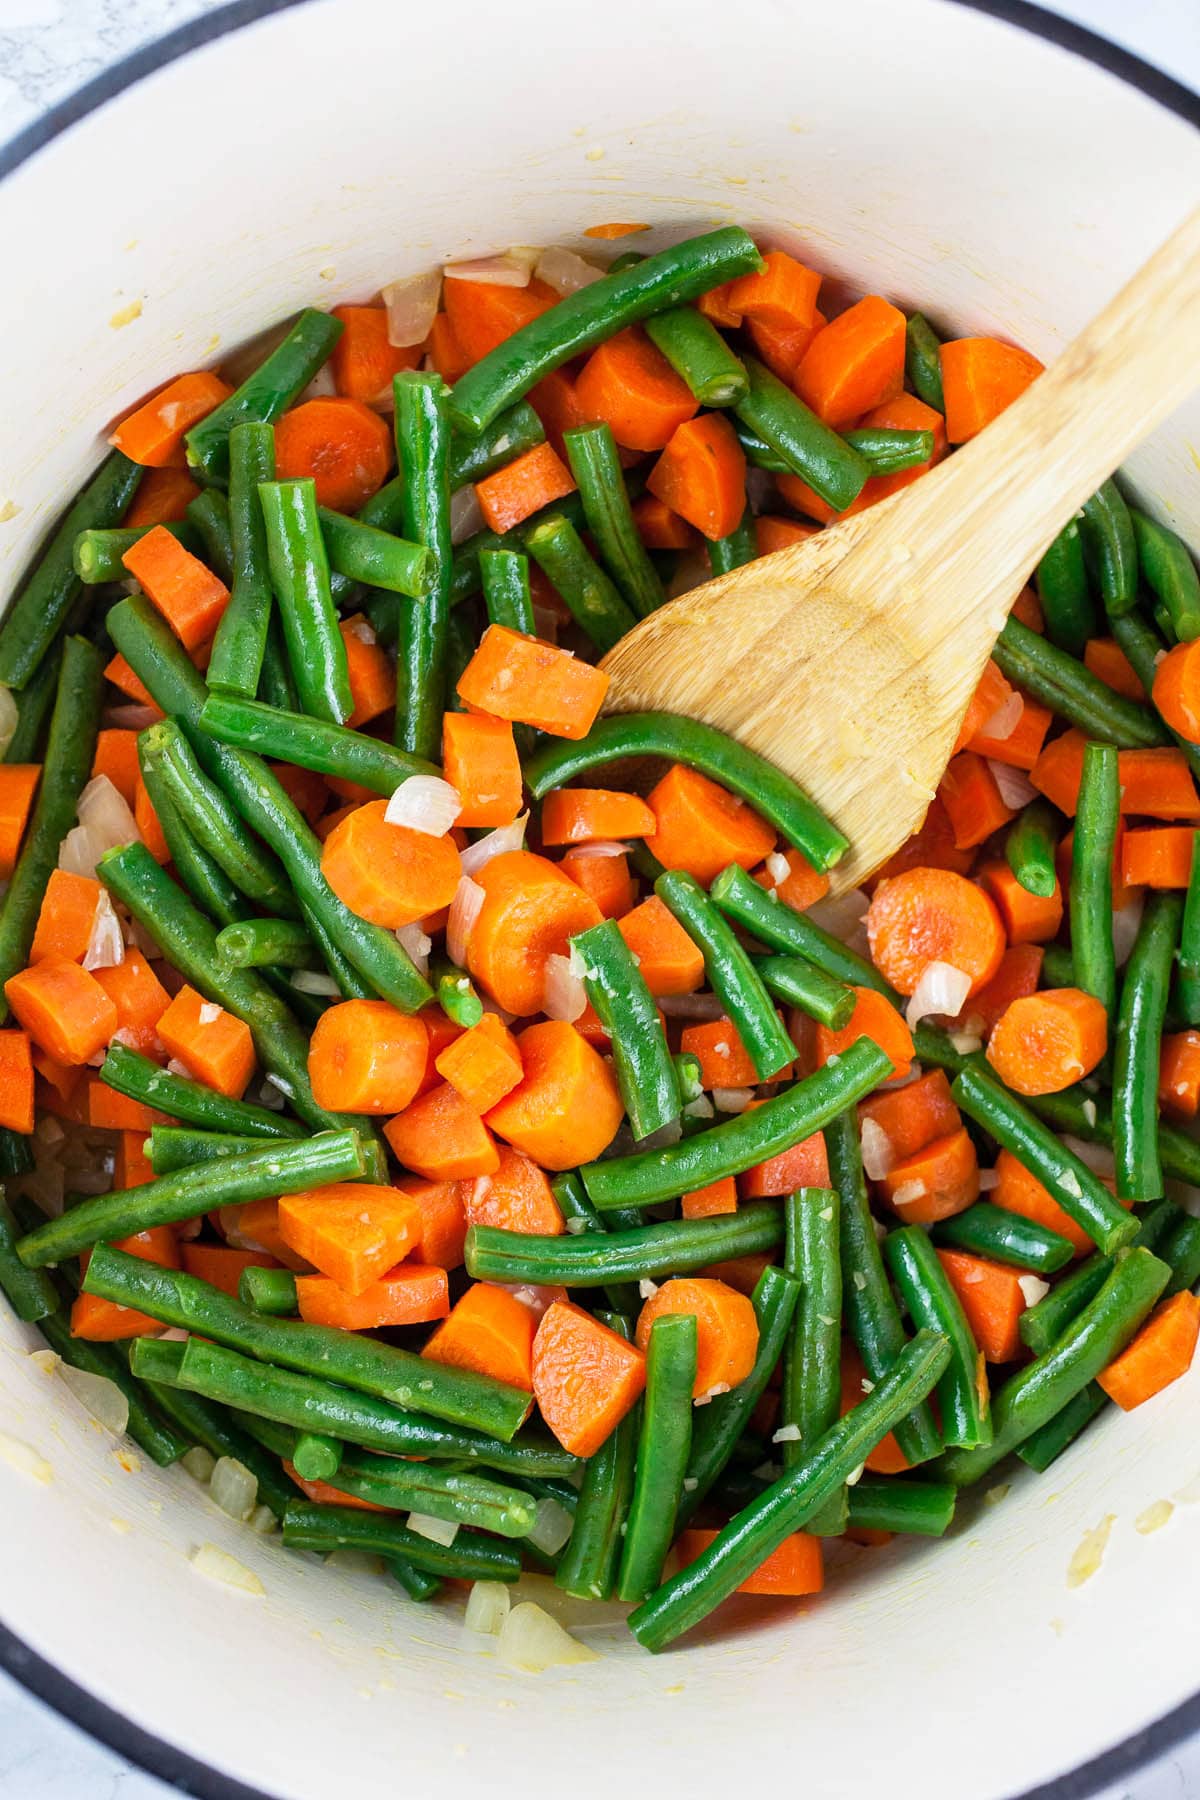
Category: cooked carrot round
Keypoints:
(342, 444)
(922, 916)
(935, 1182)
(632, 387)
(873, 1017)
(490, 1331)
(567, 1107)
(530, 912)
(1161, 1352)
(366, 1057)
(585, 1377)
(1176, 691)
(726, 1330)
(1044, 1042)
(702, 827)
(516, 1197)
(389, 874)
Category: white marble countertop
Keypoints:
(48, 48)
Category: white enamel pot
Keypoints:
(994, 166)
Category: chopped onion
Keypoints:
(262, 1521)
(129, 718)
(321, 387)
(100, 1396)
(234, 1488)
(46, 1360)
(704, 1008)
(218, 1565)
(1004, 721)
(507, 268)
(417, 943)
(537, 1299)
(545, 624)
(466, 517)
(476, 856)
(966, 1042)
(106, 946)
(732, 1099)
(670, 1133)
(988, 1179)
(488, 1605)
(271, 1095)
(778, 867)
(600, 847)
(8, 719)
(941, 989)
(314, 981)
(1096, 1157)
(465, 908)
(105, 814)
(362, 629)
(699, 1108)
(530, 1639)
(565, 272)
(424, 803)
(908, 1192)
(199, 1463)
(787, 1434)
(551, 1527)
(438, 1531)
(411, 307)
(842, 916)
(563, 994)
(1016, 789)
(878, 1154)
(1033, 1288)
(1126, 925)
(209, 1012)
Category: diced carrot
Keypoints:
(67, 917)
(702, 827)
(118, 671)
(1028, 918)
(1046, 1041)
(483, 1063)
(63, 1008)
(366, 1057)
(64, 1080)
(582, 815)
(912, 1117)
(783, 347)
(874, 1017)
(372, 675)
(363, 361)
(344, 446)
(1020, 747)
(993, 691)
(716, 308)
(940, 1179)
(1027, 608)
(16, 1082)
(782, 294)
(605, 879)
(163, 498)
(1109, 663)
(390, 874)
(1158, 783)
(856, 363)
(352, 1231)
(1160, 1353)
(1179, 1074)
(522, 487)
(442, 1138)
(104, 1321)
(443, 1220)
(441, 1031)
(1017, 1191)
(659, 527)
(178, 585)
(741, 1272)
(886, 1458)
(801, 887)
(773, 532)
(804, 1165)
(445, 352)
(255, 1226)
(669, 962)
(1058, 771)
(630, 385)
(1160, 857)
(566, 1108)
(971, 797)
(530, 682)
(1019, 973)
(483, 315)
(793, 1568)
(479, 760)
(215, 1046)
(153, 434)
(222, 1266)
(104, 1108)
(149, 824)
(410, 1294)
(585, 1377)
(131, 1166)
(933, 915)
(726, 1329)
(140, 999)
(701, 475)
(17, 784)
(517, 1197)
(116, 756)
(990, 1295)
(490, 1331)
(530, 912)
(931, 846)
(904, 412)
(707, 1202)
(307, 790)
(723, 1058)
(980, 377)
(556, 404)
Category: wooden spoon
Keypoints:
(849, 659)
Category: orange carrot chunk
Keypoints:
(483, 315)
(389, 874)
(886, 1458)
(1019, 973)
(17, 784)
(372, 675)
(1109, 663)
(1160, 1353)
(480, 761)
(940, 1179)
(1022, 743)
(483, 1063)
(488, 1330)
(162, 498)
(726, 1330)
(178, 585)
(363, 360)
(702, 827)
(933, 915)
(442, 1138)
(980, 377)
(515, 677)
(585, 1377)
(670, 963)
(116, 756)
(110, 1111)
(566, 1108)
(140, 999)
(793, 1568)
(931, 846)
(1046, 1041)
(517, 1197)
(801, 886)
(1179, 1074)
(913, 1116)
(352, 1231)
(1028, 918)
(213, 1045)
(153, 434)
(222, 1265)
(630, 385)
(990, 1295)
(366, 1057)
(659, 527)
(722, 1056)
(16, 1082)
(581, 815)
(804, 1165)
(132, 1167)
(410, 1294)
(701, 475)
(63, 1008)
(992, 696)
(612, 231)
(707, 1202)
(445, 352)
(1017, 1191)
(522, 487)
(874, 1017)
(530, 912)
(772, 532)
(149, 824)
(1157, 782)
(856, 363)
(1159, 857)
(67, 917)
(104, 1321)
(605, 879)
(344, 446)
(971, 796)
(782, 294)
(443, 1220)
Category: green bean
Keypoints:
(739, 547)
(97, 554)
(1030, 846)
(259, 943)
(202, 876)
(1042, 1324)
(776, 923)
(363, 553)
(1069, 689)
(789, 1503)
(593, 599)
(257, 1174)
(129, 1073)
(208, 514)
(269, 1291)
(595, 312)
(460, 1497)
(589, 1563)
(1187, 984)
(1170, 573)
(175, 1147)
(731, 973)
(754, 779)
(1080, 1193)
(1058, 968)
(664, 1445)
(871, 1312)
(310, 743)
(51, 586)
(1138, 1042)
(457, 1395)
(241, 640)
(1062, 585)
(1181, 1249)
(33, 709)
(801, 983)
(1089, 1116)
(581, 1217)
(921, 1508)
(646, 1252)
(890, 451)
(812, 1358)
(156, 1436)
(808, 448)
(16, 1154)
(718, 1427)
(454, 993)
(1047, 1444)
(1111, 550)
(1006, 1237)
(300, 577)
(698, 354)
(962, 1392)
(67, 767)
(423, 454)
(266, 393)
(30, 1292)
(758, 453)
(1091, 900)
(474, 456)
(615, 987)
(505, 576)
(922, 362)
(471, 1557)
(596, 466)
(275, 686)
(316, 1458)
(748, 1138)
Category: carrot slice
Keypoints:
(1157, 783)
(933, 915)
(1017, 1191)
(530, 912)
(442, 1138)
(110, 1111)
(445, 352)
(990, 1295)
(1044, 1042)
(993, 691)
(132, 1167)
(1109, 663)
(1028, 609)
(793, 1568)
(886, 1458)
(515, 677)
(783, 347)
(389, 874)
(480, 761)
(605, 879)
(63, 1008)
(776, 533)
(940, 1179)
(980, 377)
(372, 675)
(1160, 857)
(702, 827)
(913, 1116)
(522, 487)
(488, 1330)
(140, 1000)
(661, 528)
(441, 1031)
(153, 434)
(1019, 973)
(1161, 1352)
(1021, 746)
(707, 1202)
(483, 315)
(363, 361)
(118, 671)
(670, 963)
(344, 446)
(726, 1330)
(517, 1197)
(783, 293)
(1179, 1074)
(701, 475)
(856, 363)
(178, 585)
(17, 784)
(723, 1059)
(630, 385)
(67, 917)
(215, 1047)
(149, 824)
(802, 886)
(804, 1165)
(103, 1321)
(116, 756)
(443, 1220)
(221, 1265)
(971, 797)
(366, 1057)
(585, 1377)
(483, 1063)
(581, 815)
(931, 846)
(874, 1017)
(16, 1082)
(1028, 918)
(566, 1108)
(411, 1294)
(163, 498)
(325, 1494)
(612, 231)
(352, 1231)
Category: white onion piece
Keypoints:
(1096, 1157)
(703, 1008)
(531, 1640)
(465, 908)
(941, 989)
(129, 718)
(599, 847)
(842, 916)
(488, 1606)
(321, 387)
(497, 843)
(966, 1042)
(313, 981)
(8, 719)
(699, 1108)
(1126, 925)
(1033, 1288)
(778, 867)
(106, 946)
(551, 1527)
(537, 1299)
(209, 1012)
(1004, 721)
(424, 803)
(565, 272)
(908, 1192)
(508, 268)
(545, 624)
(417, 943)
(466, 516)
(217, 1565)
(878, 1154)
(233, 1487)
(105, 813)
(411, 307)
(199, 1463)
(77, 853)
(732, 1099)
(99, 1396)
(362, 629)
(262, 1521)
(670, 1133)
(1016, 789)
(988, 1179)
(563, 994)
(438, 1531)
